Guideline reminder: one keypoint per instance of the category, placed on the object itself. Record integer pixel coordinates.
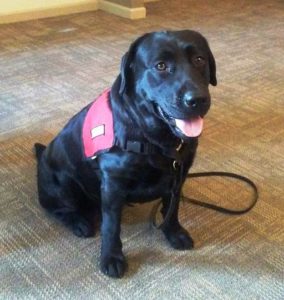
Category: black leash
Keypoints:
(153, 215)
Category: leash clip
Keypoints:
(176, 163)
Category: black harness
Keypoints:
(175, 165)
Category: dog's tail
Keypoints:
(39, 148)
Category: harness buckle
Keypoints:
(134, 146)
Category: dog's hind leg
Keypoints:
(65, 200)
(79, 223)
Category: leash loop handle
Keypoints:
(217, 208)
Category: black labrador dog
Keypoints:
(158, 103)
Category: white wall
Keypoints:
(20, 10)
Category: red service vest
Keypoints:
(97, 130)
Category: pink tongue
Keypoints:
(192, 128)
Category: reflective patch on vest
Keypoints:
(97, 131)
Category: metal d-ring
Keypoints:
(175, 164)
(179, 146)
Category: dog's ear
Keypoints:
(212, 68)
(124, 70)
(127, 62)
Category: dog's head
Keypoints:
(171, 71)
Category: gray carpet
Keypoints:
(51, 68)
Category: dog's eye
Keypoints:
(161, 66)
(199, 61)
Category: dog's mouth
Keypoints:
(187, 127)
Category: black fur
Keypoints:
(144, 101)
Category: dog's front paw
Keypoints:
(114, 265)
(179, 239)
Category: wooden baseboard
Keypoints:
(56, 8)
(52, 10)
(122, 11)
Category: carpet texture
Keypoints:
(51, 68)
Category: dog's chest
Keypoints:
(148, 185)
(138, 178)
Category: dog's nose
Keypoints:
(194, 101)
